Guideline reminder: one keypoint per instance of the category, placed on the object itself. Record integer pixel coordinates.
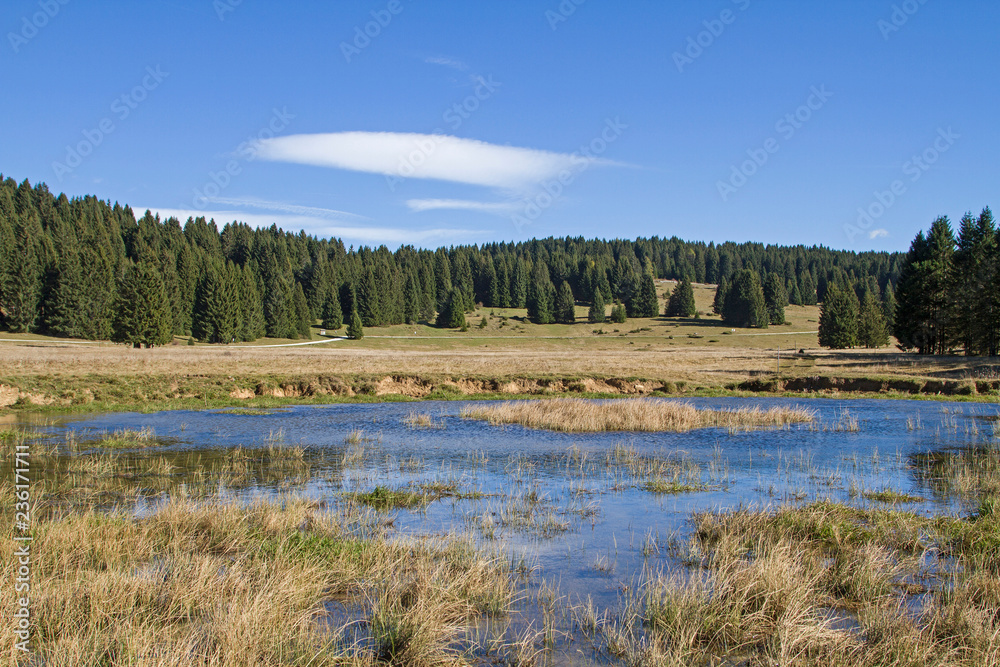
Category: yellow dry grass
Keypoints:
(635, 414)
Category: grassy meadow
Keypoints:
(509, 357)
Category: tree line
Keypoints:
(86, 268)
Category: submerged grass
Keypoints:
(632, 414)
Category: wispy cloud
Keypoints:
(445, 61)
(321, 226)
(426, 156)
(499, 208)
(253, 202)
(878, 233)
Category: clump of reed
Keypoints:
(223, 584)
(421, 420)
(823, 584)
(128, 439)
(632, 414)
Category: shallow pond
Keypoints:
(588, 512)
(585, 507)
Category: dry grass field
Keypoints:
(507, 356)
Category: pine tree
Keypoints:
(838, 318)
(333, 316)
(924, 298)
(889, 308)
(411, 301)
(808, 290)
(303, 314)
(253, 305)
(596, 313)
(645, 303)
(519, 285)
(972, 282)
(795, 297)
(745, 305)
(872, 330)
(142, 316)
(618, 315)
(775, 299)
(23, 282)
(355, 328)
(681, 302)
(215, 306)
(721, 291)
(452, 315)
(541, 296)
(565, 306)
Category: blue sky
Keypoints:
(850, 124)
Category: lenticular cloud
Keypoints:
(432, 156)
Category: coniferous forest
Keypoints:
(86, 268)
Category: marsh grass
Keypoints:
(127, 439)
(212, 583)
(632, 414)
(891, 497)
(422, 420)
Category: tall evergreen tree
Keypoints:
(872, 329)
(721, 291)
(745, 305)
(973, 296)
(519, 285)
(452, 315)
(303, 314)
(681, 302)
(924, 309)
(644, 302)
(541, 296)
(565, 306)
(838, 318)
(596, 313)
(142, 317)
(775, 298)
(355, 328)
(333, 316)
(889, 308)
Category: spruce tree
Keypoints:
(838, 318)
(889, 308)
(333, 316)
(872, 329)
(775, 298)
(519, 285)
(721, 291)
(745, 305)
(411, 300)
(303, 314)
(645, 303)
(808, 290)
(618, 314)
(355, 328)
(142, 317)
(565, 306)
(596, 313)
(924, 312)
(681, 302)
(541, 296)
(452, 315)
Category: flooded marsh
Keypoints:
(866, 536)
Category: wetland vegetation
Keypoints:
(359, 535)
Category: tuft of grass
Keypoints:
(421, 420)
(891, 497)
(128, 439)
(633, 414)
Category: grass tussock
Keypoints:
(823, 584)
(634, 414)
(225, 585)
(421, 420)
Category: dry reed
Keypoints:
(633, 414)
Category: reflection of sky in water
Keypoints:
(752, 468)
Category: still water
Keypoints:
(568, 503)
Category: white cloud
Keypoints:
(429, 156)
(445, 61)
(252, 202)
(499, 208)
(322, 227)
(878, 233)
